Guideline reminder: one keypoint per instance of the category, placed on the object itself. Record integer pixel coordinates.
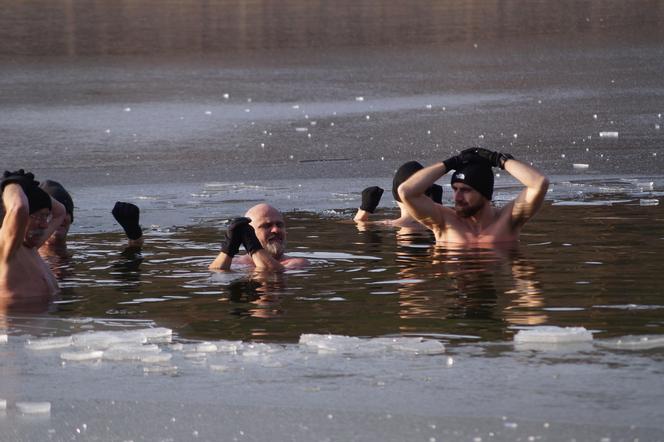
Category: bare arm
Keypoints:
(15, 223)
(221, 262)
(530, 200)
(412, 194)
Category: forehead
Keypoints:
(267, 216)
(461, 186)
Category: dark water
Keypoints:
(591, 266)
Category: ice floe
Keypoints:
(33, 407)
(553, 335)
(354, 345)
(643, 342)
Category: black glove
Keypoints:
(496, 159)
(25, 180)
(250, 240)
(234, 233)
(458, 161)
(371, 198)
(435, 192)
(126, 214)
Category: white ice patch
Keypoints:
(82, 355)
(206, 347)
(644, 342)
(348, 344)
(580, 166)
(34, 407)
(609, 134)
(3, 339)
(553, 335)
(648, 202)
(3, 404)
(49, 343)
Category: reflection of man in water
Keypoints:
(371, 197)
(474, 220)
(30, 217)
(262, 232)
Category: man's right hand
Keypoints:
(25, 180)
(371, 198)
(234, 233)
(127, 214)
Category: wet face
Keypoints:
(467, 201)
(270, 230)
(37, 224)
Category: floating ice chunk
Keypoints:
(218, 367)
(208, 112)
(3, 338)
(657, 126)
(229, 346)
(644, 342)
(206, 347)
(359, 98)
(164, 369)
(648, 202)
(330, 343)
(301, 129)
(295, 106)
(3, 404)
(411, 345)
(82, 355)
(195, 355)
(34, 407)
(156, 358)
(103, 340)
(127, 109)
(580, 166)
(609, 134)
(226, 96)
(255, 350)
(554, 335)
(49, 343)
(157, 334)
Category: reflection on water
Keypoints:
(576, 266)
(79, 28)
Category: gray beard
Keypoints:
(276, 249)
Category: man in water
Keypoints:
(474, 221)
(371, 197)
(56, 244)
(262, 232)
(30, 217)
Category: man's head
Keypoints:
(270, 228)
(473, 188)
(405, 171)
(59, 193)
(402, 174)
(40, 215)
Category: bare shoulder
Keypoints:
(295, 263)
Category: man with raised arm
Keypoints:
(262, 232)
(30, 217)
(371, 197)
(474, 221)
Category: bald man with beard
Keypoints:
(262, 232)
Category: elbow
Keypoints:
(543, 184)
(405, 192)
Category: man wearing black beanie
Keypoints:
(30, 216)
(474, 221)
